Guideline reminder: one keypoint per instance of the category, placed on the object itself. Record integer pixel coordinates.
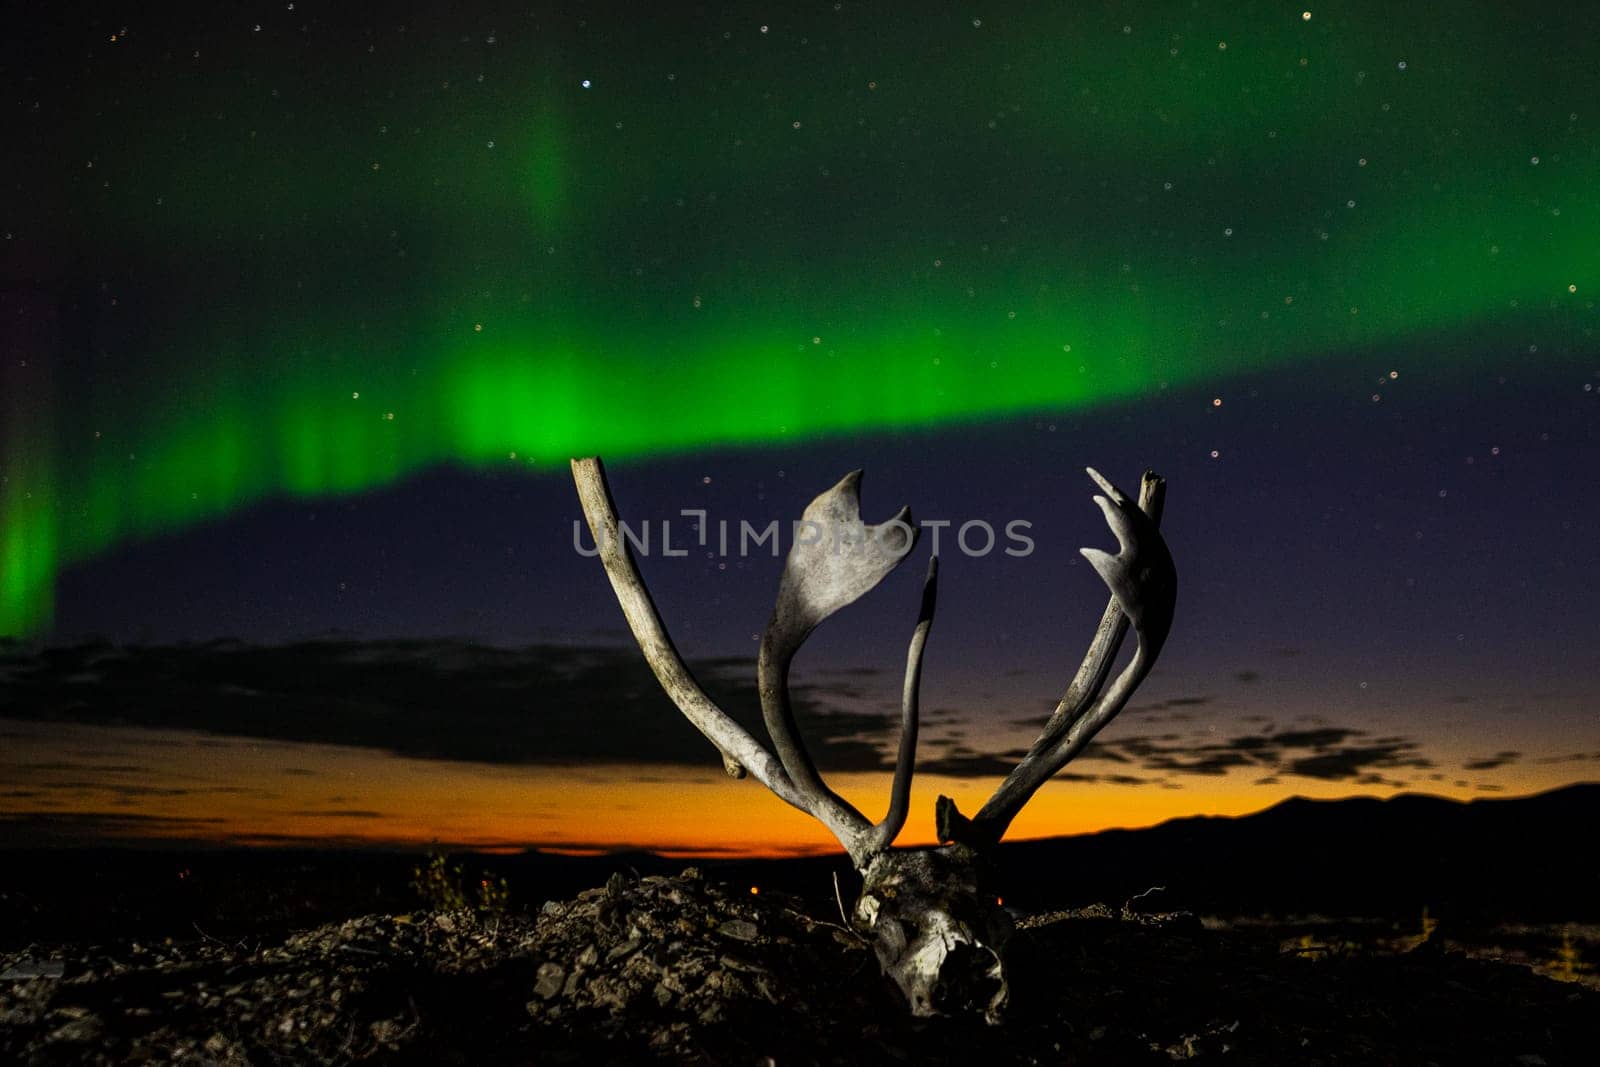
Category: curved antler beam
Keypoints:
(835, 560)
(739, 750)
(1144, 587)
(894, 821)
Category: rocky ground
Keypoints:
(683, 969)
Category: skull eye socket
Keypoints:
(968, 979)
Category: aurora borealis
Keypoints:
(314, 256)
(292, 254)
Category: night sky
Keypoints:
(304, 311)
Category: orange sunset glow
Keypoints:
(134, 785)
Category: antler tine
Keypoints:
(1143, 585)
(739, 750)
(845, 560)
(1108, 636)
(885, 832)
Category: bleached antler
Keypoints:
(843, 562)
(921, 907)
(1144, 589)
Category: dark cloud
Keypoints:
(1499, 759)
(1168, 705)
(97, 768)
(120, 789)
(1573, 757)
(1320, 738)
(1351, 762)
(963, 762)
(1247, 677)
(542, 704)
(583, 705)
(1100, 750)
(338, 813)
(1378, 779)
(852, 672)
(1215, 763)
(24, 829)
(1324, 752)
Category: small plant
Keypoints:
(442, 887)
(438, 883)
(493, 894)
(1428, 926)
(1568, 965)
(1309, 946)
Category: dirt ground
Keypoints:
(682, 969)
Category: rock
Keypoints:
(34, 969)
(85, 1027)
(549, 980)
(627, 948)
(691, 975)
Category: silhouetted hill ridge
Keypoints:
(1489, 860)
(1528, 856)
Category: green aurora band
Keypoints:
(312, 287)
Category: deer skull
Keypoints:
(935, 923)
(935, 931)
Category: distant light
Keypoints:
(755, 891)
(585, 83)
(1216, 402)
(1305, 16)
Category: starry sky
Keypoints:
(304, 310)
